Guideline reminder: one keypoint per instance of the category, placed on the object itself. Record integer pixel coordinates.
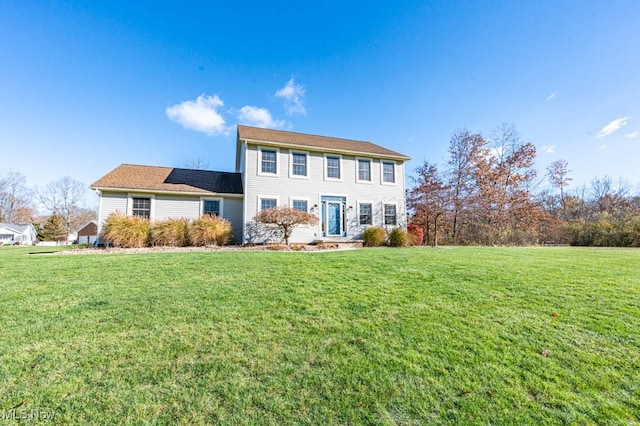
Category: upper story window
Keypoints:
(390, 214)
(333, 167)
(211, 208)
(388, 172)
(269, 161)
(364, 170)
(267, 203)
(298, 164)
(141, 207)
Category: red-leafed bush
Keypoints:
(417, 234)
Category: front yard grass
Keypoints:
(375, 336)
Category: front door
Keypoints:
(333, 215)
(334, 218)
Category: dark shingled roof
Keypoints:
(318, 142)
(170, 179)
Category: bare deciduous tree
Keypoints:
(430, 199)
(66, 198)
(197, 164)
(465, 151)
(15, 199)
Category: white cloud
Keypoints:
(200, 115)
(549, 149)
(551, 96)
(632, 134)
(259, 117)
(603, 146)
(293, 95)
(496, 152)
(612, 127)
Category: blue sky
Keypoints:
(87, 85)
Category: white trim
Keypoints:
(341, 168)
(266, 197)
(161, 192)
(307, 199)
(243, 170)
(294, 198)
(370, 161)
(321, 149)
(345, 219)
(152, 203)
(390, 203)
(220, 199)
(306, 154)
(259, 162)
(395, 172)
(371, 203)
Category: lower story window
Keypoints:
(267, 203)
(390, 214)
(365, 214)
(141, 207)
(300, 205)
(211, 208)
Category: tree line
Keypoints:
(489, 193)
(62, 201)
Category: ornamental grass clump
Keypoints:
(398, 238)
(127, 231)
(171, 232)
(210, 230)
(373, 236)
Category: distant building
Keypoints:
(88, 233)
(17, 233)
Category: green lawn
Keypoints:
(373, 336)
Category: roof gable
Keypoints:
(170, 179)
(17, 228)
(323, 143)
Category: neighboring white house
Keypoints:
(17, 233)
(348, 184)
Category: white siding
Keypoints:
(284, 188)
(111, 202)
(233, 212)
(169, 206)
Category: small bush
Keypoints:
(210, 230)
(416, 235)
(298, 247)
(171, 232)
(373, 236)
(127, 231)
(398, 238)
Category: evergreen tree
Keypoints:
(53, 229)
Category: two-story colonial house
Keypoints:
(348, 184)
